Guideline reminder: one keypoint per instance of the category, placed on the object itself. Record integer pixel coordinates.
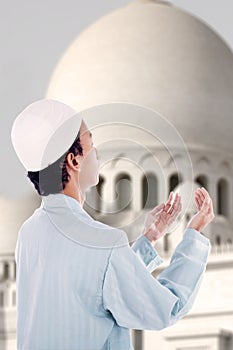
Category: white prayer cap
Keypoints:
(43, 132)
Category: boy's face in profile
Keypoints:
(89, 167)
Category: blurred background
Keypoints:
(174, 58)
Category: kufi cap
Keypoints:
(43, 132)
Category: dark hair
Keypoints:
(54, 177)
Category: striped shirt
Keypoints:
(81, 286)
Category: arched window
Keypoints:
(14, 269)
(218, 240)
(1, 298)
(202, 181)
(149, 191)
(223, 197)
(174, 180)
(166, 243)
(123, 191)
(99, 193)
(13, 298)
(6, 270)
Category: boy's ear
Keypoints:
(71, 159)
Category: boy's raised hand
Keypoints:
(159, 219)
(205, 213)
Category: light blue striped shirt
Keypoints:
(80, 286)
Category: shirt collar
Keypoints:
(61, 200)
(68, 216)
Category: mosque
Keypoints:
(156, 85)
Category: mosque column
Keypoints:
(137, 192)
(212, 189)
(1, 269)
(230, 199)
(109, 197)
(163, 188)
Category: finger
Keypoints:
(204, 191)
(207, 194)
(176, 210)
(170, 198)
(198, 200)
(167, 207)
(175, 203)
(211, 206)
(177, 207)
(201, 197)
(172, 214)
(168, 203)
(205, 205)
(176, 200)
(175, 214)
(201, 194)
(197, 190)
(157, 208)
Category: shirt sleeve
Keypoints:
(137, 300)
(146, 253)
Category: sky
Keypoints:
(33, 37)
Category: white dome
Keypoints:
(156, 55)
(13, 213)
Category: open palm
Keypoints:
(159, 219)
(205, 213)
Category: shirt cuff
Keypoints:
(146, 253)
(195, 245)
(192, 233)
